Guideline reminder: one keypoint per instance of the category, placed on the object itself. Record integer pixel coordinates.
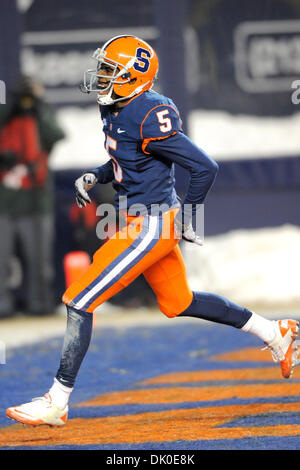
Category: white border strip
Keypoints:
(77, 36)
(69, 95)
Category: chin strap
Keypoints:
(108, 100)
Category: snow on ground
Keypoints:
(220, 134)
(255, 268)
(224, 136)
(83, 145)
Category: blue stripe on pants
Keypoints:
(143, 244)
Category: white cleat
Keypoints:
(284, 348)
(38, 412)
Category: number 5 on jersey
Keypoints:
(165, 121)
(112, 144)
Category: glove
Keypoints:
(186, 232)
(83, 184)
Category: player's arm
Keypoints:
(179, 149)
(102, 174)
(162, 135)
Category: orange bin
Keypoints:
(75, 264)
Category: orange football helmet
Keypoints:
(133, 66)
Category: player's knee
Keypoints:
(170, 312)
(212, 169)
(70, 303)
(172, 305)
(66, 299)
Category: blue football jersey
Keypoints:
(144, 179)
(144, 139)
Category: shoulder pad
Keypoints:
(160, 121)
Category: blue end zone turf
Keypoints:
(120, 359)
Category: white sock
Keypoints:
(261, 327)
(60, 394)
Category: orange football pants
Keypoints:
(146, 245)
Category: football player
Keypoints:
(144, 138)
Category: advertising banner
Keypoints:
(242, 57)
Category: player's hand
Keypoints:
(83, 184)
(186, 232)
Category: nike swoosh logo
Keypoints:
(119, 131)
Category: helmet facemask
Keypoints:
(111, 91)
(119, 76)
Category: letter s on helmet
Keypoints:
(134, 64)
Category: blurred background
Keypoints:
(229, 65)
